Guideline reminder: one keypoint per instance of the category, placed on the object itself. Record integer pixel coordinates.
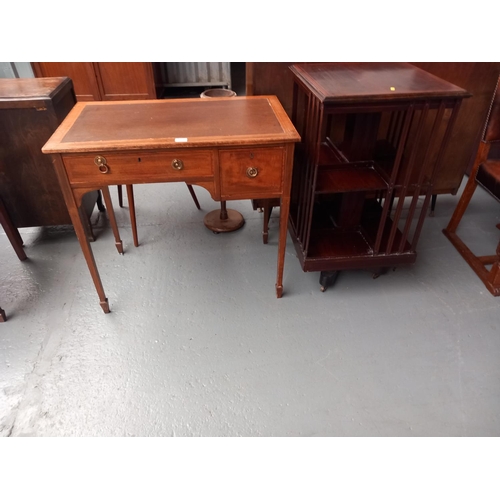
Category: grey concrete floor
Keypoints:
(198, 345)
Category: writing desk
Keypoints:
(238, 148)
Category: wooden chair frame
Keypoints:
(491, 134)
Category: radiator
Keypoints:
(186, 74)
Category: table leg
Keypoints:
(87, 223)
(76, 217)
(112, 218)
(284, 210)
(3, 317)
(120, 195)
(267, 216)
(99, 203)
(131, 208)
(71, 197)
(193, 195)
(12, 233)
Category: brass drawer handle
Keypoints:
(101, 163)
(177, 164)
(252, 172)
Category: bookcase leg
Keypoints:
(327, 278)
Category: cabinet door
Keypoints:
(82, 74)
(121, 81)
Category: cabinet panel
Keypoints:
(479, 78)
(31, 110)
(81, 73)
(119, 81)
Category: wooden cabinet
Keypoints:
(373, 139)
(123, 81)
(479, 78)
(31, 109)
(81, 74)
(103, 81)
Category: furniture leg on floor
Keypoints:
(112, 218)
(266, 207)
(12, 233)
(224, 220)
(131, 203)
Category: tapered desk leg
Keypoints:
(131, 208)
(193, 195)
(284, 210)
(78, 224)
(71, 197)
(268, 208)
(120, 195)
(112, 218)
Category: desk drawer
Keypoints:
(252, 172)
(139, 167)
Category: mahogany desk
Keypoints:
(238, 148)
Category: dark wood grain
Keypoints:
(478, 78)
(30, 111)
(360, 82)
(274, 78)
(368, 143)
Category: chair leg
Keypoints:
(462, 205)
(131, 207)
(491, 278)
(120, 196)
(494, 274)
(193, 195)
(112, 218)
(3, 316)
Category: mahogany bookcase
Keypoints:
(373, 138)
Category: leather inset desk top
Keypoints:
(157, 124)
